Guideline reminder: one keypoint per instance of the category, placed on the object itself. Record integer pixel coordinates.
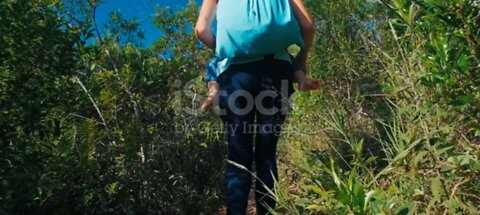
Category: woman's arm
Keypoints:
(203, 28)
(307, 26)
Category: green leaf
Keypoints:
(359, 195)
(406, 209)
(92, 67)
(302, 202)
(475, 165)
(419, 157)
(447, 167)
(320, 191)
(441, 151)
(342, 196)
(312, 207)
(370, 160)
(376, 206)
(437, 189)
(334, 174)
(453, 206)
(463, 62)
(351, 178)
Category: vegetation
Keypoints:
(395, 127)
(96, 123)
(88, 124)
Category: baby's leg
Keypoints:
(212, 95)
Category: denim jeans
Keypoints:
(253, 100)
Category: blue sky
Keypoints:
(141, 9)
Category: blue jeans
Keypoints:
(253, 100)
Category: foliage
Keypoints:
(90, 126)
(95, 123)
(397, 128)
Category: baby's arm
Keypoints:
(213, 86)
(212, 96)
(203, 28)
(304, 83)
(307, 26)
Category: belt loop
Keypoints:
(268, 57)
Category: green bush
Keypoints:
(89, 124)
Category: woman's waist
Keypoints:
(240, 62)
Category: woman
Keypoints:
(253, 95)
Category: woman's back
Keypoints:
(254, 28)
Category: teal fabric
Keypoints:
(254, 28)
(212, 70)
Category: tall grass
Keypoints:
(380, 138)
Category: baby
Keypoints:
(204, 33)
